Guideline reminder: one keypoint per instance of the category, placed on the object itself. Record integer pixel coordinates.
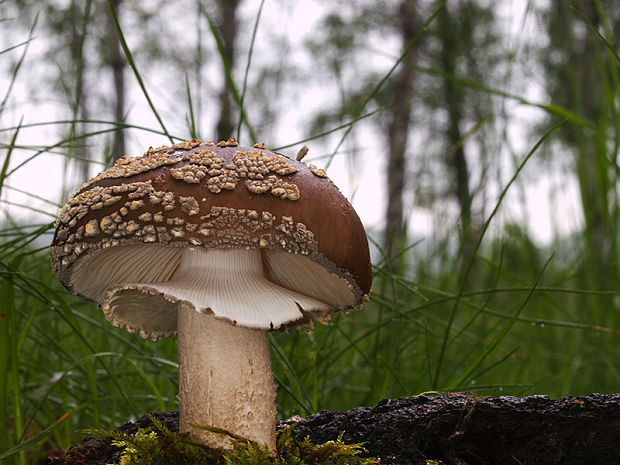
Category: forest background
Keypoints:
(478, 140)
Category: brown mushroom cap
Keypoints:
(127, 225)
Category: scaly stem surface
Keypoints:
(225, 379)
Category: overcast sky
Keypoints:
(361, 182)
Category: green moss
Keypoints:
(158, 445)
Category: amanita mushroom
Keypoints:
(221, 244)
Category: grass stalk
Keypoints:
(247, 69)
(18, 65)
(384, 79)
(460, 380)
(228, 71)
(5, 353)
(470, 263)
(134, 68)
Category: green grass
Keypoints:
(522, 320)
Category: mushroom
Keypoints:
(220, 244)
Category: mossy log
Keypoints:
(456, 429)
(100, 451)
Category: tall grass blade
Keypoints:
(49, 202)
(19, 64)
(354, 345)
(329, 131)
(5, 354)
(383, 80)
(228, 70)
(192, 118)
(247, 69)
(550, 108)
(41, 436)
(595, 29)
(28, 207)
(7, 159)
(292, 374)
(136, 73)
(460, 381)
(116, 125)
(470, 263)
(61, 143)
(16, 46)
(13, 384)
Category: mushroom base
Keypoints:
(225, 380)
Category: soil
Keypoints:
(456, 429)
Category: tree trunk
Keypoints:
(228, 32)
(402, 90)
(584, 88)
(457, 161)
(116, 61)
(79, 22)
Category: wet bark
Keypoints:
(100, 451)
(456, 429)
(466, 430)
(402, 91)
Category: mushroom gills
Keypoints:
(230, 283)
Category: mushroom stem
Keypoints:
(225, 380)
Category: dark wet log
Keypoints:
(100, 451)
(457, 429)
(460, 429)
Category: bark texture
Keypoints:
(466, 430)
(457, 429)
(100, 451)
